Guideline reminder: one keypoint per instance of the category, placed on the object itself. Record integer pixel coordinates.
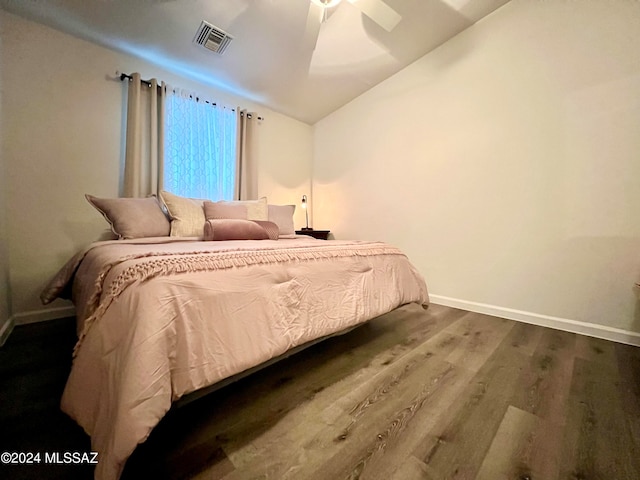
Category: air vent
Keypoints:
(213, 38)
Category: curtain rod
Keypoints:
(250, 115)
(148, 84)
(124, 75)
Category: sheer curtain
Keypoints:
(200, 147)
(145, 137)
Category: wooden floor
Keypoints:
(436, 394)
(34, 365)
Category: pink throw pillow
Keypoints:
(234, 229)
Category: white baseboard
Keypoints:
(591, 329)
(43, 315)
(6, 330)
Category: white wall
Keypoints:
(5, 306)
(505, 163)
(63, 138)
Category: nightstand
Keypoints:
(319, 234)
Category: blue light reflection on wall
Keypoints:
(179, 68)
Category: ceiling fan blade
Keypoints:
(379, 12)
(312, 29)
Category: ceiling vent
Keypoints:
(213, 38)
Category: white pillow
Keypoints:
(282, 215)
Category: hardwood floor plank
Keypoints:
(440, 345)
(481, 334)
(484, 344)
(525, 337)
(34, 365)
(544, 385)
(595, 350)
(362, 400)
(414, 469)
(204, 461)
(628, 363)
(350, 434)
(598, 442)
(456, 446)
(521, 449)
(374, 446)
(530, 435)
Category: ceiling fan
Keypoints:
(376, 10)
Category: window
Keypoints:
(200, 148)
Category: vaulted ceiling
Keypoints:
(270, 59)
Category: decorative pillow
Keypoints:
(282, 216)
(239, 209)
(220, 211)
(132, 217)
(271, 228)
(187, 215)
(233, 229)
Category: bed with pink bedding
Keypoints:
(161, 318)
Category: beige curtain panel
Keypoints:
(144, 155)
(246, 165)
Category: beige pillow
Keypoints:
(238, 209)
(187, 215)
(132, 217)
(282, 216)
(219, 211)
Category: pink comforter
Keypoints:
(157, 321)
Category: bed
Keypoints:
(162, 318)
